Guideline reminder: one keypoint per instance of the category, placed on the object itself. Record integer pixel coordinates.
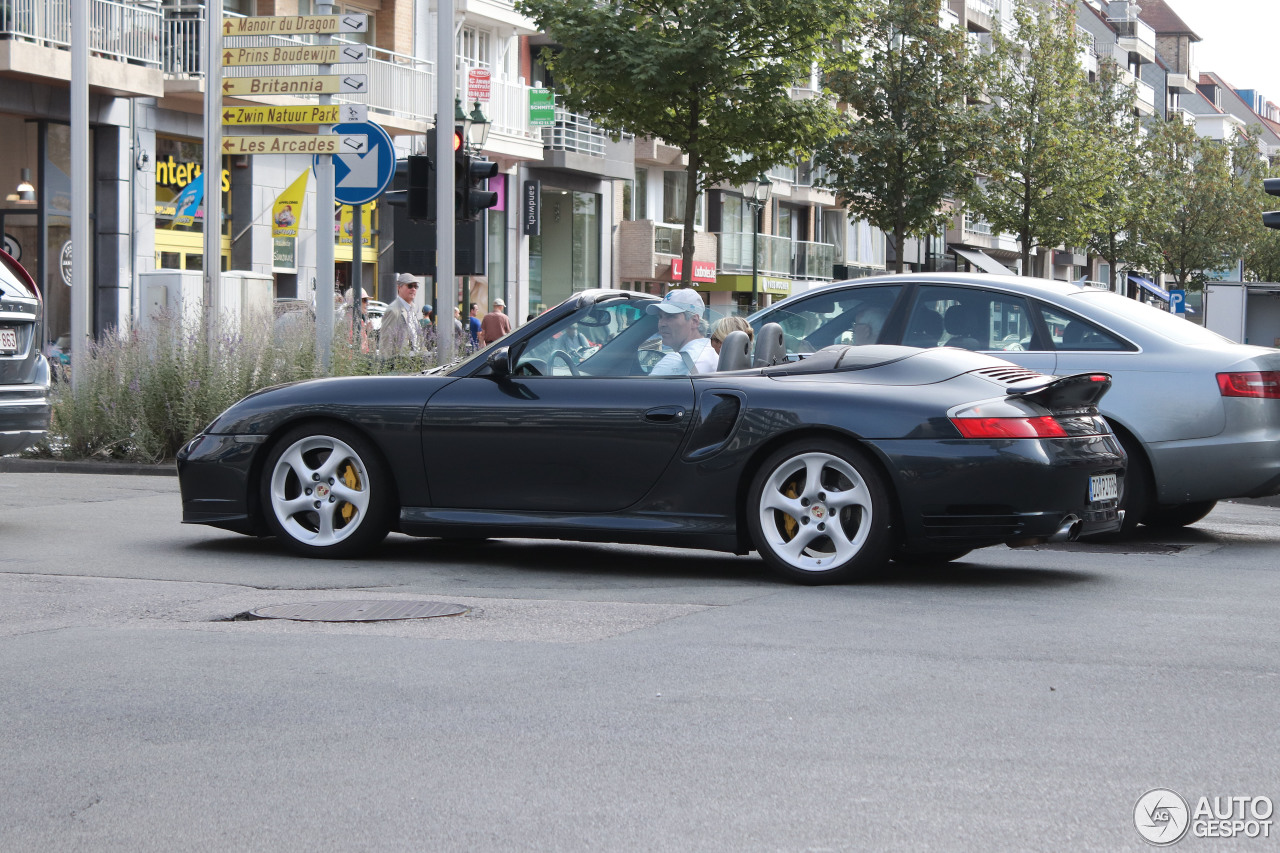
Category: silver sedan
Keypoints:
(1198, 415)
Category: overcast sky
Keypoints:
(1238, 41)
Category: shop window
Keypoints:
(170, 261)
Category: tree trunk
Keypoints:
(690, 208)
(899, 237)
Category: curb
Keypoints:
(19, 465)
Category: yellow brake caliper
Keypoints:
(352, 481)
(789, 524)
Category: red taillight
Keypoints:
(1263, 384)
(1042, 427)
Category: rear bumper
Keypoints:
(972, 493)
(24, 416)
(1241, 465)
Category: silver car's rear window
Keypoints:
(1162, 323)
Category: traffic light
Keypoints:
(471, 181)
(1271, 218)
(422, 197)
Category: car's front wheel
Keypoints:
(818, 511)
(326, 491)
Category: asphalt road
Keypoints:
(602, 697)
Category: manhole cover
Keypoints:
(358, 611)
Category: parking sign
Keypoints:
(1178, 301)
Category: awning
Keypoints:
(1150, 287)
(983, 261)
(1155, 290)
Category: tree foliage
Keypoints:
(912, 128)
(1262, 260)
(710, 77)
(1201, 217)
(1042, 185)
(1117, 227)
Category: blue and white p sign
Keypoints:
(1178, 301)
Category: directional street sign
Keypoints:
(319, 84)
(314, 114)
(299, 144)
(296, 25)
(360, 177)
(296, 54)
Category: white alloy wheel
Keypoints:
(819, 513)
(324, 492)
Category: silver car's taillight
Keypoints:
(1262, 384)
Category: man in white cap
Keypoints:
(495, 324)
(399, 332)
(680, 325)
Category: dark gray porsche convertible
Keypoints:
(829, 466)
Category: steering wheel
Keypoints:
(568, 359)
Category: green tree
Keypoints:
(1262, 260)
(912, 128)
(1041, 184)
(1208, 197)
(1118, 225)
(710, 77)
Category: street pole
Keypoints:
(81, 241)
(324, 228)
(446, 289)
(357, 274)
(755, 257)
(212, 168)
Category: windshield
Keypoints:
(1167, 325)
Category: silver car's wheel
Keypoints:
(819, 512)
(325, 491)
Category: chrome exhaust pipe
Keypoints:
(1069, 531)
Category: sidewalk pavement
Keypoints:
(21, 465)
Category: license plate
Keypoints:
(8, 340)
(1103, 487)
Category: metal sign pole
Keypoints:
(357, 273)
(446, 289)
(212, 168)
(324, 231)
(81, 245)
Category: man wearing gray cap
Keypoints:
(680, 325)
(399, 332)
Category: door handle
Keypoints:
(665, 415)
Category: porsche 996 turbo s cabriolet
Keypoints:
(829, 467)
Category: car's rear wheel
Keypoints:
(1168, 517)
(818, 511)
(1138, 485)
(326, 491)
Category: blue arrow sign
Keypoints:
(360, 178)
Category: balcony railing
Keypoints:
(574, 132)
(399, 85)
(116, 30)
(774, 254)
(812, 261)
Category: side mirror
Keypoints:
(499, 362)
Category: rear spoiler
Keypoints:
(1078, 391)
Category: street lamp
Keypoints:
(478, 130)
(756, 194)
